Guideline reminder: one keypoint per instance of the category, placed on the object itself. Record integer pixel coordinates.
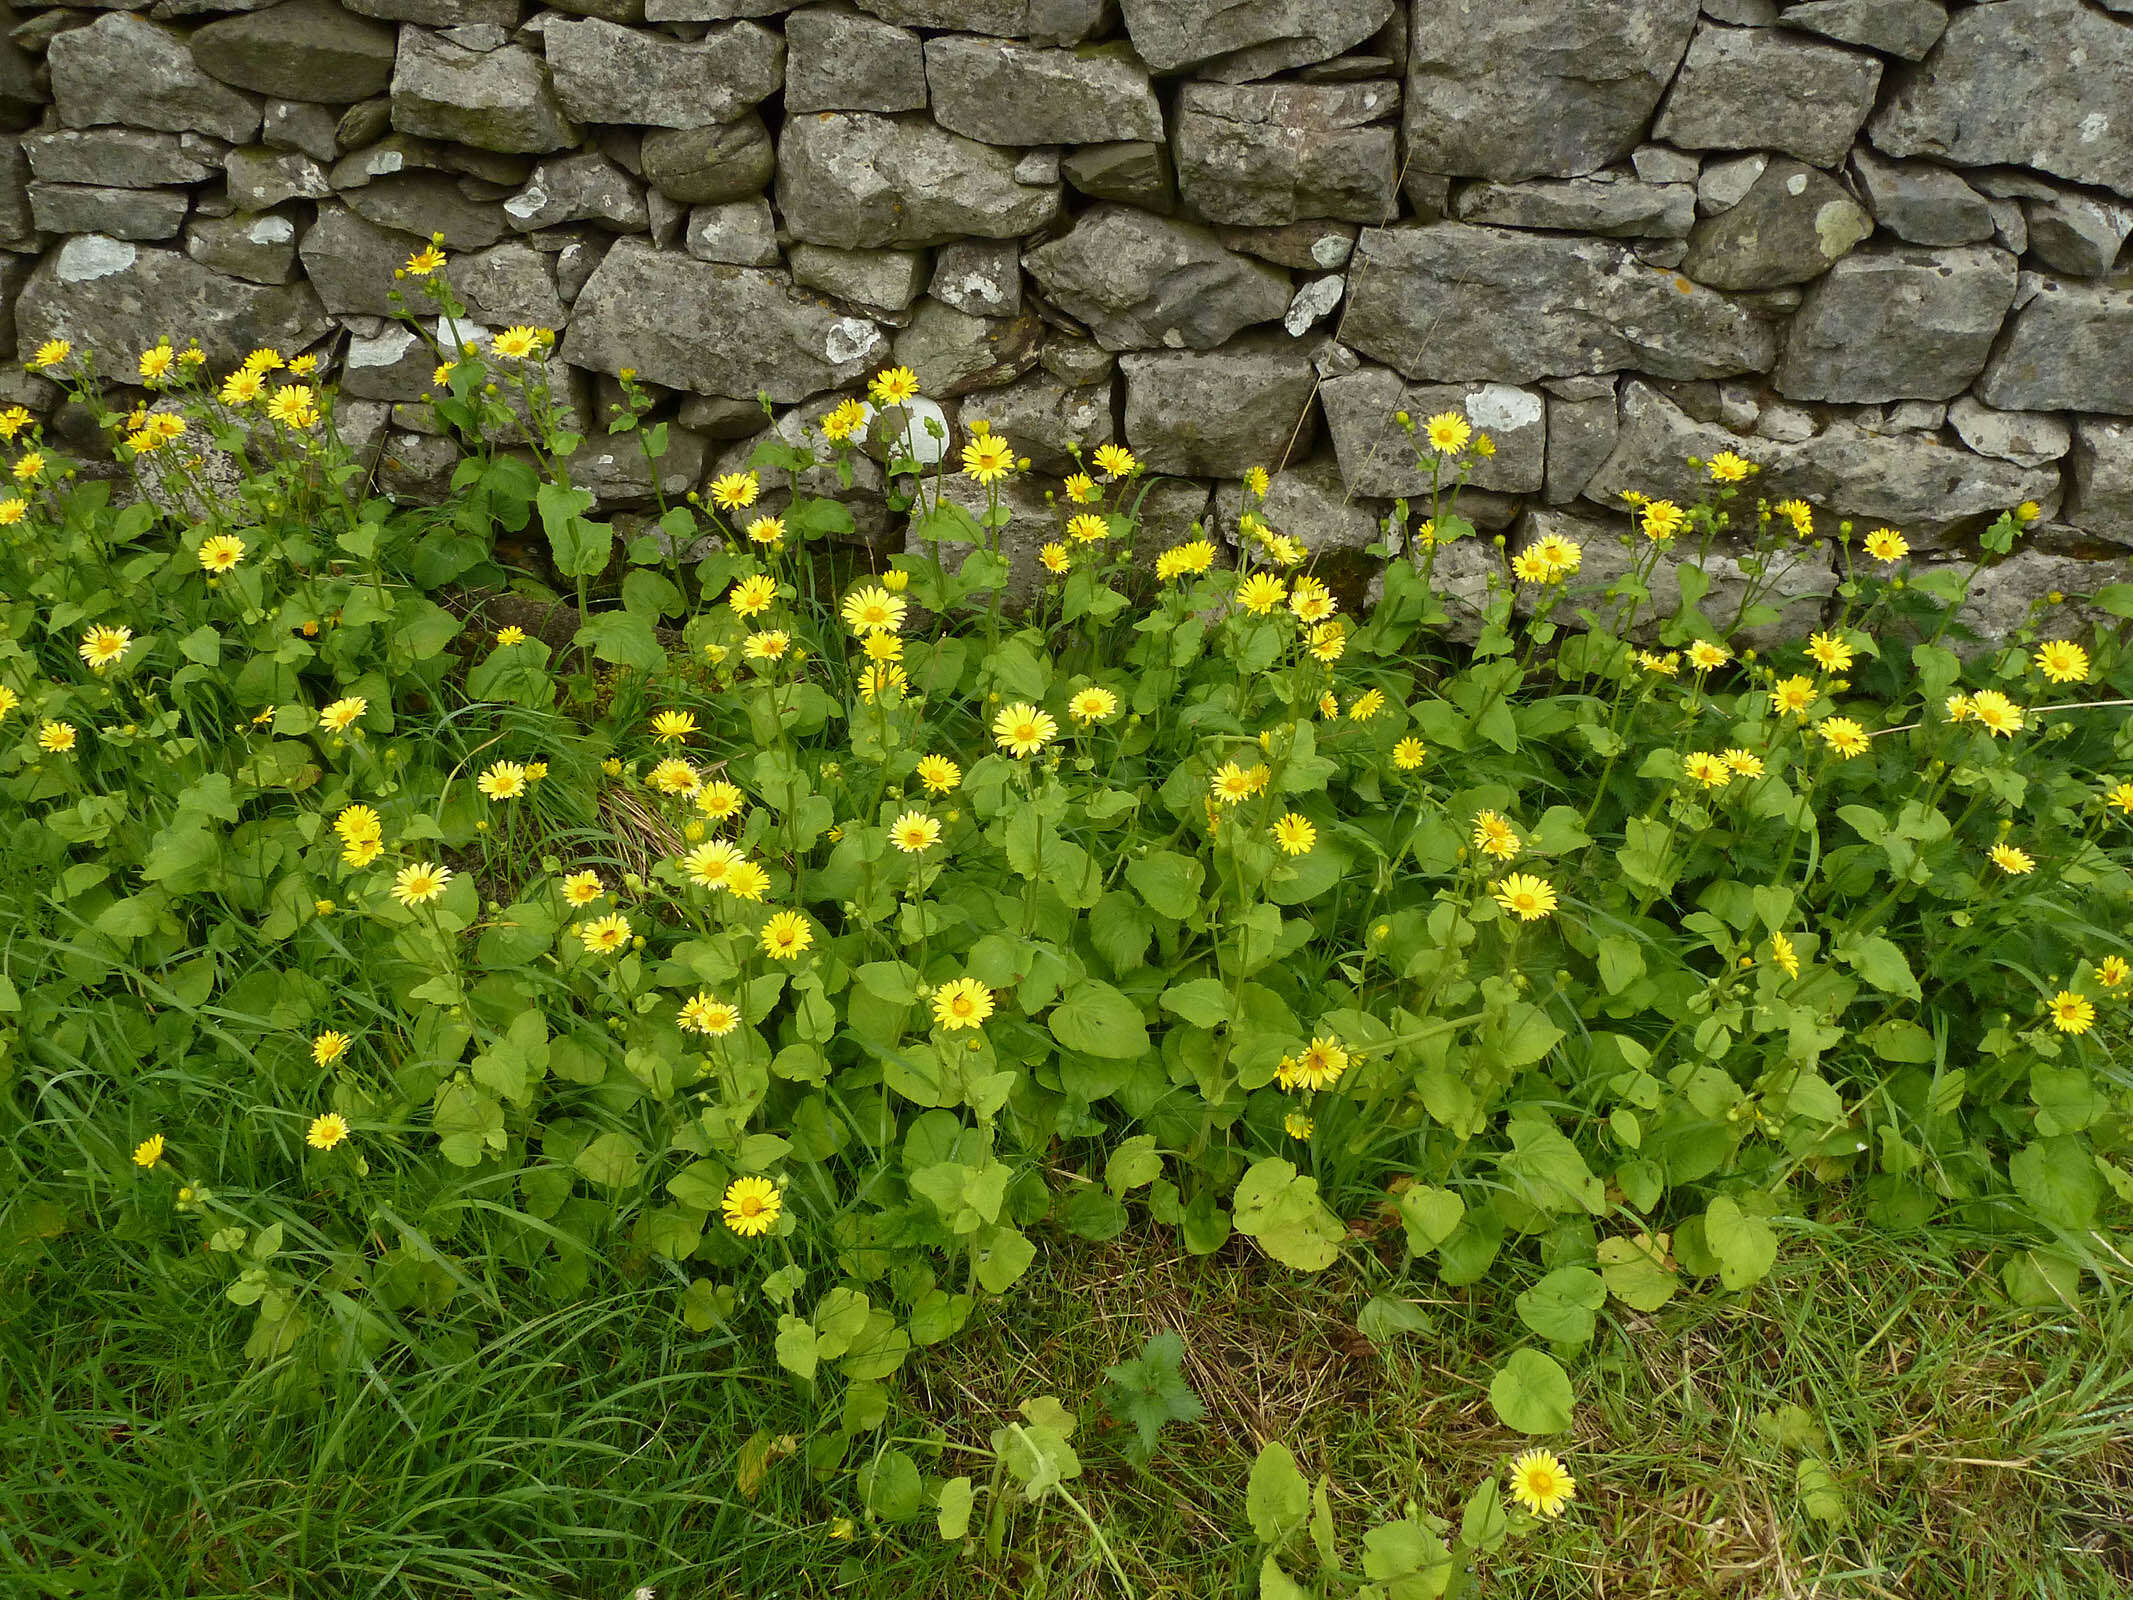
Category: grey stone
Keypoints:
(1581, 435)
(1906, 28)
(1039, 21)
(1313, 303)
(1792, 225)
(666, 220)
(1173, 511)
(880, 280)
(2012, 591)
(838, 60)
(859, 181)
(2012, 183)
(739, 233)
(1782, 423)
(1898, 323)
(490, 99)
(417, 469)
(1762, 89)
(300, 125)
(1041, 416)
(299, 50)
(364, 124)
(1509, 92)
(351, 262)
(478, 36)
(429, 203)
(954, 354)
(1264, 154)
(622, 12)
(1038, 166)
(509, 285)
(117, 158)
(442, 13)
(259, 179)
(2100, 479)
(1921, 203)
(1725, 182)
(393, 364)
(260, 249)
(1248, 38)
(2064, 350)
(1616, 207)
(1133, 173)
(718, 418)
(1138, 281)
(1077, 361)
(2010, 228)
(1657, 163)
(2077, 234)
(617, 471)
(1307, 501)
(106, 294)
(577, 252)
(1378, 457)
(396, 153)
(981, 277)
(713, 10)
(2035, 83)
(605, 73)
(712, 329)
(2027, 438)
(18, 229)
(1453, 301)
(1744, 13)
(121, 213)
(708, 166)
(1005, 92)
(1916, 416)
(123, 69)
(1217, 413)
(1314, 246)
(580, 188)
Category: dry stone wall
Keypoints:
(1877, 246)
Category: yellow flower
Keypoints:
(767, 530)
(988, 459)
(242, 387)
(961, 1003)
(2012, 861)
(673, 776)
(1408, 754)
(938, 774)
(1311, 600)
(293, 406)
(12, 510)
(420, 883)
(165, 427)
(915, 832)
(326, 1131)
(1661, 520)
(1795, 695)
(506, 780)
(1297, 1126)
(1318, 1065)
(1829, 652)
(752, 596)
(1022, 730)
(1295, 834)
(1261, 593)
(2113, 971)
(1529, 568)
(893, 386)
(713, 1018)
(361, 853)
(1782, 952)
(1524, 896)
(1329, 640)
(1844, 736)
(1093, 704)
(769, 645)
(516, 344)
(751, 1206)
(1447, 432)
(785, 935)
(1194, 556)
(342, 714)
(1087, 528)
(673, 727)
(156, 363)
(1115, 461)
(1494, 836)
(1666, 666)
(1744, 762)
(1726, 467)
(359, 822)
(603, 936)
(149, 1151)
(1233, 783)
(2000, 716)
(748, 881)
(2063, 661)
(329, 1047)
(8, 700)
(846, 418)
(1328, 707)
(536, 770)
(882, 647)
(1799, 513)
(221, 552)
(1255, 482)
(1366, 705)
(13, 420)
(582, 888)
(1706, 656)
(1053, 556)
(719, 800)
(1707, 769)
(1081, 489)
(1540, 1484)
(2120, 795)
(57, 737)
(2071, 1013)
(1886, 544)
(735, 491)
(102, 647)
(49, 354)
(424, 261)
(871, 609)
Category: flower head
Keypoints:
(242, 387)
(915, 832)
(1022, 730)
(938, 774)
(516, 344)
(424, 261)
(329, 1047)
(1233, 783)
(1311, 600)
(1091, 705)
(2113, 971)
(1318, 1065)
(872, 609)
(1745, 763)
(1053, 557)
(673, 727)
(1193, 557)
(1447, 432)
(603, 936)
(735, 491)
(2063, 661)
(1495, 837)
(1524, 896)
(893, 386)
(1409, 754)
(359, 822)
(719, 800)
(711, 863)
(2012, 861)
(12, 510)
(49, 354)
(1707, 769)
(2071, 1012)
(1844, 736)
(1661, 520)
(988, 458)
(1366, 705)
(149, 1151)
(786, 935)
(56, 737)
(752, 596)
(1799, 513)
(103, 647)
(751, 1206)
(1783, 953)
(674, 776)
(1261, 593)
(156, 362)
(1830, 652)
(771, 645)
(220, 552)
(1795, 695)
(714, 1018)
(1886, 544)
(1726, 467)
(326, 1131)
(418, 884)
(343, 714)
(582, 889)
(961, 1003)
(505, 780)
(1540, 1483)
(2120, 796)
(293, 406)
(1115, 461)
(1297, 1126)
(844, 420)
(1707, 656)
(748, 881)
(1999, 716)
(1088, 528)
(1295, 833)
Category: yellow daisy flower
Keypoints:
(735, 491)
(582, 889)
(915, 832)
(893, 386)
(2062, 661)
(326, 1130)
(1886, 544)
(221, 552)
(2070, 1012)
(1295, 834)
(421, 883)
(603, 936)
(1495, 837)
(673, 727)
(1447, 432)
(1844, 736)
(1524, 896)
(2014, 862)
(961, 1003)
(752, 596)
(149, 1151)
(1022, 730)
(871, 609)
(714, 1018)
(786, 935)
(938, 774)
(1318, 1065)
(103, 647)
(329, 1047)
(1540, 1483)
(505, 780)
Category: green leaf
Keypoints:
(623, 638)
(1430, 1215)
(1483, 1525)
(1745, 1246)
(957, 1496)
(2058, 1182)
(1635, 1274)
(1276, 1498)
(1133, 1164)
(612, 1160)
(1097, 1020)
(1881, 964)
(1169, 883)
(1531, 1393)
(1203, 1002)
(1819, 1493)
(581, 548)
(1562, 1308)
(1281, 1209)
(1150, 1391)
(1274, 1584)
